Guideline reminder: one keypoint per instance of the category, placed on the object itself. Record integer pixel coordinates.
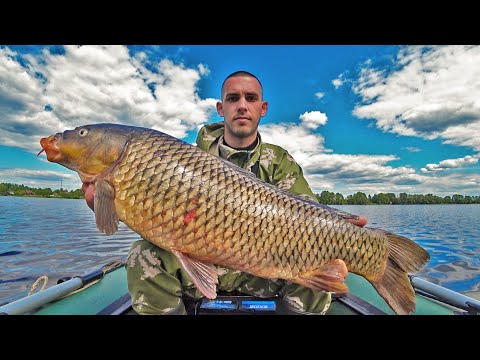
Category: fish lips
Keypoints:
(51, 147)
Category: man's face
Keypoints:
(242, 106)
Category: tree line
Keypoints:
(325, 197)
(7, 189)
(360, 198)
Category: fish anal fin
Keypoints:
(204, 275)
(104, 207)
(330, 277)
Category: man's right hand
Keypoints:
(360, 221)
(354, 219)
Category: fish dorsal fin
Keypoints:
(204, 276)
(104, 207)
(329, 277)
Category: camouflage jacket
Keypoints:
(275, 165)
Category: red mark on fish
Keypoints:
(189, 216)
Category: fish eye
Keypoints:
(83, 132)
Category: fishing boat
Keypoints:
(104, 292)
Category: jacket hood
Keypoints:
(208, 134)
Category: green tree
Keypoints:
(392, 198)
(327, 198)
(381, 199)
(339, 199)
(457, 199)
(359, 198)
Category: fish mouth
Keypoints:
(51, 148)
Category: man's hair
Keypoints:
(239, 73)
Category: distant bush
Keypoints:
(7, 189)
(360, 198)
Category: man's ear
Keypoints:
(220, 108)
(264, 108)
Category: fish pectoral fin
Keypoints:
(104, 207)
(330, 277)
(204, 275)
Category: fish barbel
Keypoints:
(208, 212)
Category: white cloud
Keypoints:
(430, 92)
(412, 149)
(354, 172)
(91, 84)
(319, 95)
(298, 140)
(372, 174)
(447, 184)
(326, 171)
(40, 178)
(338, 82)
(313, 119)
(452, 163)
(203, 69)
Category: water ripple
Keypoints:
(58, 238)
(450, 234)
(53, 237)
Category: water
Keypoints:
(58, 237)
(450, 234)
(53, 237)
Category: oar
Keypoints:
(445, 295)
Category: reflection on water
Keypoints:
(53, 237)
(58, 238)
(450, 234)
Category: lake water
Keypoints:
(53, 237)
(58, 237)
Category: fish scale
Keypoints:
(222, 187)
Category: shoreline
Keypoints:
(331, 205)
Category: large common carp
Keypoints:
(208, 211)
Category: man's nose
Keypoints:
(242, 104)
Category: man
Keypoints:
(157, 281)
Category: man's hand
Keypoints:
(89, 191)
(360, 221)
(354, 219)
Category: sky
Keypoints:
(369, 118)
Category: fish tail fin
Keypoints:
(405, 256)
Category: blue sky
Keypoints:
(380, 118)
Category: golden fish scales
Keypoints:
(179, 198)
